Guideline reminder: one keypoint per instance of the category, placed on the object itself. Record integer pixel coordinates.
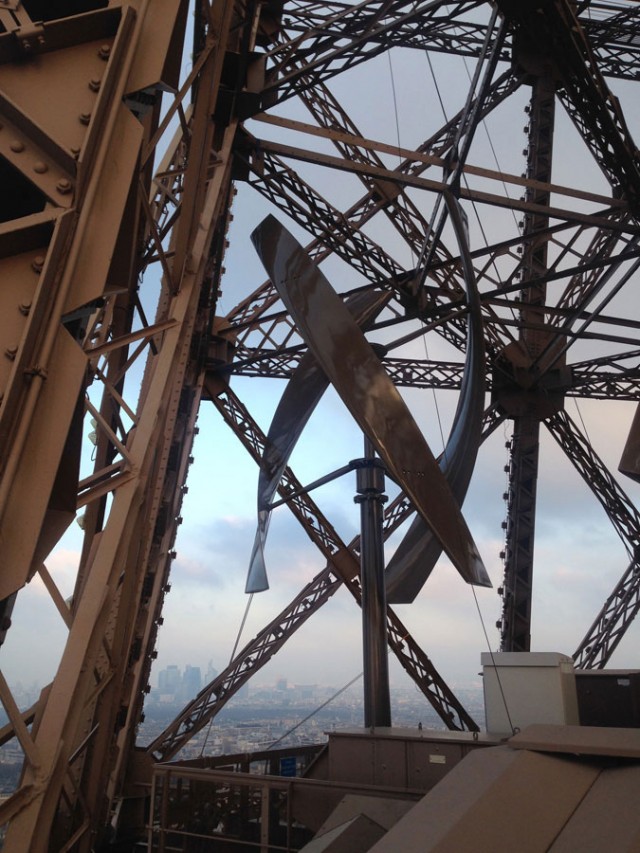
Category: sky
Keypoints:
(578, 557)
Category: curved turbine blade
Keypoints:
(301, 395)
(357, 375)
(257, 575)
(417, 554)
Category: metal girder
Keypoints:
(47, 409)
(267, 335)
(517, 590)
(597, 269)
(281, 185)
(523, 467)
(614, 38)
(456, 158)
(609, 140)
(83, 335)
(474, 196)
(337, 37)
(608, 378)
(410, 373)
(316, 525)
(584, 270)
(345, 40)
(588, 381)
(611, 29)
(588, 282)
(385, 195)
(403, 214)
(619, 508)
(583, 287)
(553, 31)
(610, 625)
(623, 604)
(42, 349)
(588, 277)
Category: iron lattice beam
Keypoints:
(621, 607)
(246, 320)
(523, 470)
(591, 382)
(301, 72)
(86, 317)
(77, 751)
(343, 37)
(619, 508)
(552, 29)
(611, 623)
(346, 40)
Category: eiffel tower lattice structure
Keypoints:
(439, 161)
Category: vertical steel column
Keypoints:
(523, 470)
(371, 497)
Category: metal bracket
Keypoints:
(369, 478)
(31, 38)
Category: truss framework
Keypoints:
(83, 159)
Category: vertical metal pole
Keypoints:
(371, 497)
(264, 819)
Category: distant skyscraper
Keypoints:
(191, 681)
(169, 679)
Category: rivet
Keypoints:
(24, 308)
(10, 353)
(40, 167)
(63, 186)
(94, 84)
(26, 45)
(17, 146)
(85, 118)
(75, 152)
(37, 263)
(105, 51)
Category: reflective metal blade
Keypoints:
(357, 375)
(416, 555)
(301, 395)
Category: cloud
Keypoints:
(36, 639)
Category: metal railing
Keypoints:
(200, 808)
